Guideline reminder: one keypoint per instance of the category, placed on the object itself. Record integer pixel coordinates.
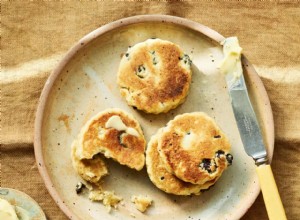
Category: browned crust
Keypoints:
(164, 179)
(167, 83)
(185, 164)
(130, 152)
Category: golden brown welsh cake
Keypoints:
(154, 76)
(194, 148)
(116, 135)
(165, 180)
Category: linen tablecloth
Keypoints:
(35, 35)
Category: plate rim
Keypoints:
(200, 28)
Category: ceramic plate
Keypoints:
(22, 200)
(84, 83)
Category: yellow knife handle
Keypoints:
(270, 193)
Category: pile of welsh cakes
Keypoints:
(186, 156)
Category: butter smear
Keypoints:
(7, 211)
(11, 212)
(117, 123)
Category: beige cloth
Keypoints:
(36, 35)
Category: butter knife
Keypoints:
(251, 137)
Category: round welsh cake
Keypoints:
(194, 148)
(165, 180)
(154, 76)
(115, 134)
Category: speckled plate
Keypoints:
(84, 83)
(20, 199)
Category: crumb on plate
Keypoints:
(141, 202)
(108, 198)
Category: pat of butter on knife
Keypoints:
(231, 64)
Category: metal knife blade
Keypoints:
(246, 119)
